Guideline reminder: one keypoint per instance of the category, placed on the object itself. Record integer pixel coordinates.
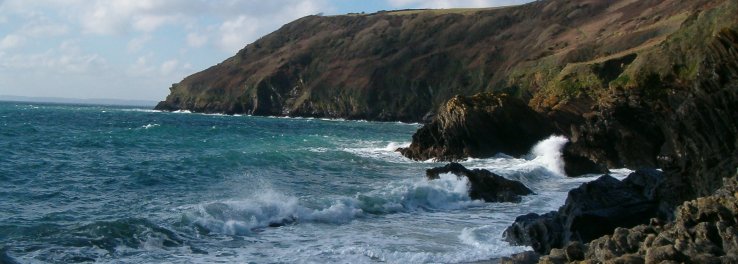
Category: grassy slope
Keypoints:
(401, 65)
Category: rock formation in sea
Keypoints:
(484, 185)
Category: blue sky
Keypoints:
(135, 49)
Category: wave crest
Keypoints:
(273, 209)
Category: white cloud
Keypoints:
(52, 61)
(11, 41)
(452, 3)
(235, 33)
(168, 67)
(43, 28)
(196, 40)
(136, 44)
(100, 35)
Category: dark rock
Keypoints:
(479, 126)
(485, 185)
(592, 210)
(557, 256)
(663, 253)
(607, 202)
(527, 257)
(646, 180)
(705, 230)
(701, 133)
(541, 232)
(577, 165)
(575, 251)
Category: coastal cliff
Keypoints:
(403, 65)
(669, 104)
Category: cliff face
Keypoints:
(403, 65)
(669, 103)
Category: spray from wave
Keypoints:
(548, 154)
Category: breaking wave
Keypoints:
(273, 209)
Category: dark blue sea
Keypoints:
(112, 184)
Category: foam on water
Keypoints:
(381, 150)
(271, 208)
(147, 126)
(209, 190)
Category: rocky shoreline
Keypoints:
(687, 213)
(634, 84)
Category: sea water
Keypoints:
(82, 183)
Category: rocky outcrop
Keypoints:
(591, 210)
(479, 126)
(576, 164)
(705, 230)
(484, 185)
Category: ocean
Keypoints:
(113, 184)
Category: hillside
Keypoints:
(403, 65)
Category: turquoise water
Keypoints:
(122, 184)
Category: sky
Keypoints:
(136, 49)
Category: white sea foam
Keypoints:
(147, 126)
(380, 150)
(273, 208)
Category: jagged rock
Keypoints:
(485, 185)
(575, 251)
(577, 165)
(527, 257)
(479, 126)
(541, 232)
(705, 230)
(591, 210)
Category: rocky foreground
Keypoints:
(635, 84)
(705, 230)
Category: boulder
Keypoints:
(592, 210)
(479, 126)
(485, 185)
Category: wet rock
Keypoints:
(527, 257)
(541, 232)
(591, 211)
(479, 126)
(485, 185)
(575, 251)
(577, 165)
(703, 231)
(663, 253)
